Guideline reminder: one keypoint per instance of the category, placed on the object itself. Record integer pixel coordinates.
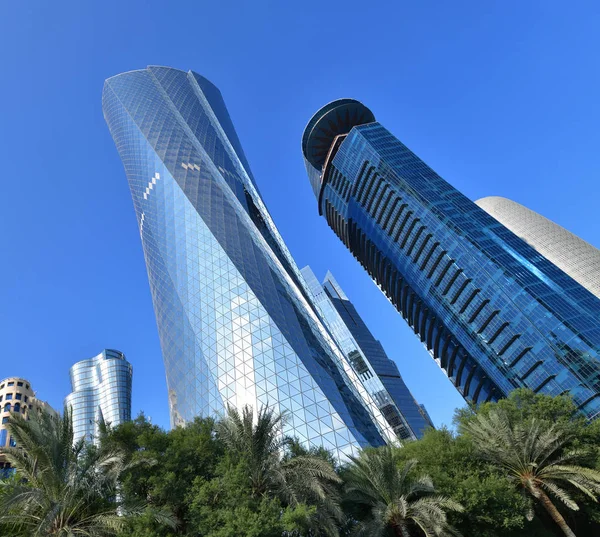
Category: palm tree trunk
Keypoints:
(555, 514)
(397, 530)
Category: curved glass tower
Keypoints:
(101, 392)
(578, 258)
(236, 320)
(493, 312)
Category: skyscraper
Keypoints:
(379, 374)
(492, 311)
(579, 259)
(101, 392)
(235, 319)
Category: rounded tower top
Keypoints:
(337, 117)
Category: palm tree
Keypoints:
(379, 486)
(62, 489)
(535, 456)
(259, 443)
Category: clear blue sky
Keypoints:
(500, 98)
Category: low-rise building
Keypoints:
(16, 397)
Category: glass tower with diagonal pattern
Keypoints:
(494, 313)
(236, 320)
(379, 374)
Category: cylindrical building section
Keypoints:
(101, 392)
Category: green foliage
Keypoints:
(242, 477)
(147, 525)
(61, 489)
(387, 496)
(9, 527)
(181, 455)
(536, 457)
(239, 476)
(226, 505)
(523, 406)
(492, 507)
(259, 447)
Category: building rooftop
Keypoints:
(335, 118)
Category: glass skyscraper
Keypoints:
(492, 311)
(379, 374)
(101, 392)
(236, 320)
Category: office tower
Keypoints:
(379, 374)
(579, 259)
(16, 397)
(492, 311)
(235, 320)
(101, 392)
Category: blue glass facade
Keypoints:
(493, 312)
(378, 373)
(235, 319)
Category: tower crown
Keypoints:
(336, 118)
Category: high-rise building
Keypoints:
(492, 311)
(236, 322)
(16, 397)
(379, 374)
(101, 392)
(578, 258)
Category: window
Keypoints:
(17, 407)
(18, 397)
(1, 396)
(9, 396)
(25, 399)
(12, 443)
(2, 387)
(4, 420)
(7, 407)
(11, 383)
(19, 384)
(27, 386)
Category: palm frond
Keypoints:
(65, 489)
(536, 456)
(560, 494)
(375, 481)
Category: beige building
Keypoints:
(16, 396)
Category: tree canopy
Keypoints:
(240, 476)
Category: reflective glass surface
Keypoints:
(379, 374)
(235, 320)
(101, 391)
(567, 251)
(493, 312)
